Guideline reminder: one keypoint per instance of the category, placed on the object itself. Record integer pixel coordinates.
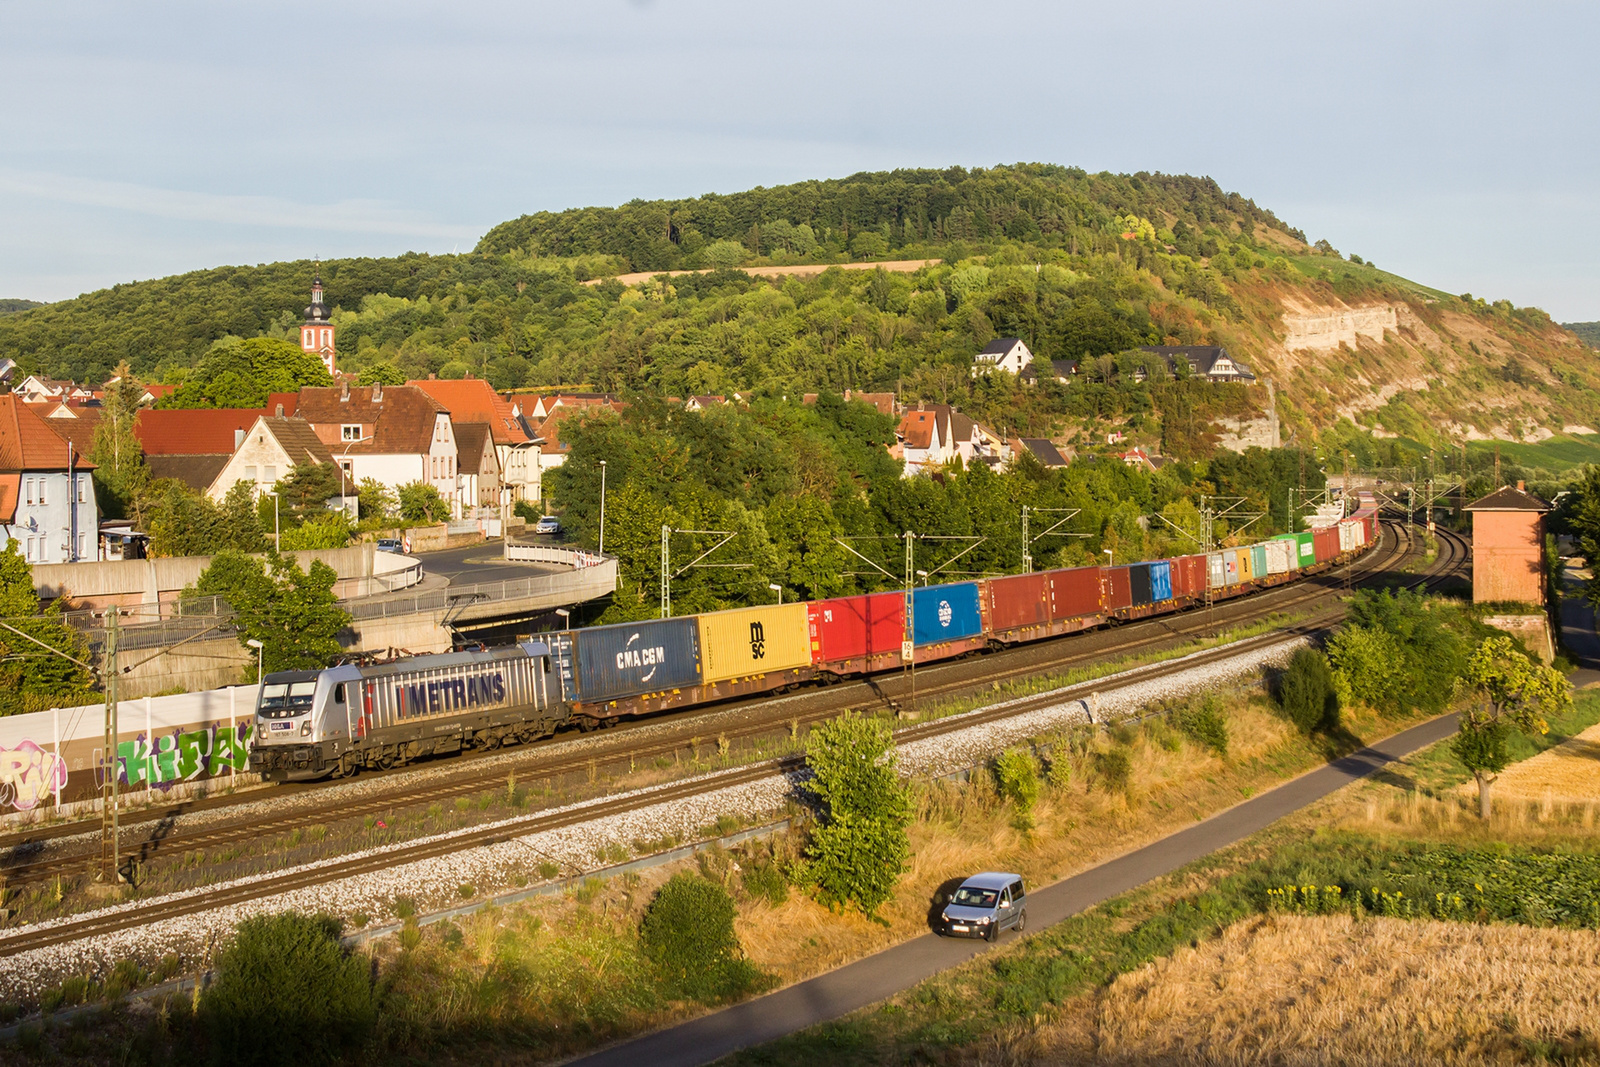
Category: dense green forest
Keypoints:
(1588, 332)
(11, 304)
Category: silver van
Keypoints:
(984, 905)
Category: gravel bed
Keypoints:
(436, 883)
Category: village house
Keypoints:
(1209, 362)
(395, 434)
(193, 445)
(479, 477)
(47, 498)
(272, 447)
(1003, 353)
(1040, 449)
(932, 435)
(471, 400)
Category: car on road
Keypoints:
(547, 525)
(984, 905)
(389, 544)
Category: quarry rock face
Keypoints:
(1326, 328)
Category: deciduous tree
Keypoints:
(1506, 691)
(860, 847)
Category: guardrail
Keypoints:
(582, 583)
(535, 553)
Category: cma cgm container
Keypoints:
(1258, 561)
(751, 641)
(1325, 543)
(1189, 576)
(946, 613)
(1114, 588)
(1017, 602)
(1075, 593)
(607, 663)
(854, 635)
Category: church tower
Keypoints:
(316, 333)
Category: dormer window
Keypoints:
(350, 431)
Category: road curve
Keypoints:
(856, 985)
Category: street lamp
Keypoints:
(261, 676)
(602, 507)
(565, 615)
(924, 576)
(776, 589)
(1111, 557)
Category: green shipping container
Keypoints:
(1258, 561)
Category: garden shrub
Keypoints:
(1204, 723)
(687, 934)
(1306, 694)
(286, 991)
(1017, 778)
(1114, 768)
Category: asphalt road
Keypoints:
(478, 563)
(856, 985)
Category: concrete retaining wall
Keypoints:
(130, 582)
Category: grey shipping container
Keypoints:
(610, 662)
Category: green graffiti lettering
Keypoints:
(166, 760)
(192, 752)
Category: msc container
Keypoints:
(1244, 562)
(1139, 583)
(749, 641)
(633, 658)
(1325, 543)
(1075, 593)
(1189, 576)
(1114, 588)
(945, 613)
(852, 627)
(1230, 567)
(1216, 571)
(1258, 561)
(1017, 601)
(1160, 581)
(1280, 556)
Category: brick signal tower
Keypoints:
(316, 333)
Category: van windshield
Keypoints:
(280, 699)
(969, 897)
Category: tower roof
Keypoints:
(316, 311)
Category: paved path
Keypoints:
(1578, 634)
(867, 981)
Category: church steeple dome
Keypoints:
(316, 333)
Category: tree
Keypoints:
(121, 475)
(374, 500)
(422, 502)
(242, 373)
(1579, 514)
(860, 847)
(1306, 692)
(1508, 692)
(31, 678)
(292, 612)
(304, 492)
(687, 933)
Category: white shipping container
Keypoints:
(1347, 537)
(1280, 557)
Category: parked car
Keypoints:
(984, 905)
(389, 544)
(547, 525)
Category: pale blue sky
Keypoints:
(1452, 143)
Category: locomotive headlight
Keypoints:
(305, 728)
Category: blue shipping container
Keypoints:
(945, 613)
(1161, 580)
(641, 657)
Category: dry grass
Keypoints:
(1570, 771)
(1300, 990)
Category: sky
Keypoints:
(1452, 143)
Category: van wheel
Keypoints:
(1022, 920)
(993, 933)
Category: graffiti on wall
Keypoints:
(29, 775)
(183, 756)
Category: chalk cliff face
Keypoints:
(1324, 328)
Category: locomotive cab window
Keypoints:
(281, 700)
(338, 693)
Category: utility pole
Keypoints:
(666, 574)
(109, 819)
(1027, 545)
(908, 644)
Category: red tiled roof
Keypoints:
(79, 431)
(27, 443)
(472, 400)
(290, 402)
(399, 422)
(916, 427)
(10, 491)
(192, 431)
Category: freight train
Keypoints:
(334, 722)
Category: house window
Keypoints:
(30, 550)
(83, 493)
(83, 545)
(350, 432)
(29, 484)
(41, 497)
(270, 473)
(348, 466)
(250, 474)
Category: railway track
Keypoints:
(97, 924)
(159, 835)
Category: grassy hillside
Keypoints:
(1082, 266)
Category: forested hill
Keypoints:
(902, 211)
(11, 304)
(1082, 267)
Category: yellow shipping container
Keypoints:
(1246, 569)
(746, 641)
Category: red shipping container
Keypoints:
(852, 627)
(1326, 543)
(1115, 588)
(1189, 576)
(1075, 592)
(1017, 601)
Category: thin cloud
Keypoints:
(347, 216)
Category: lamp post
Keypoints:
(602, 507)
(565, 615)
(1111, 557)
(924, 576)
(261, 674)
(776, 589)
